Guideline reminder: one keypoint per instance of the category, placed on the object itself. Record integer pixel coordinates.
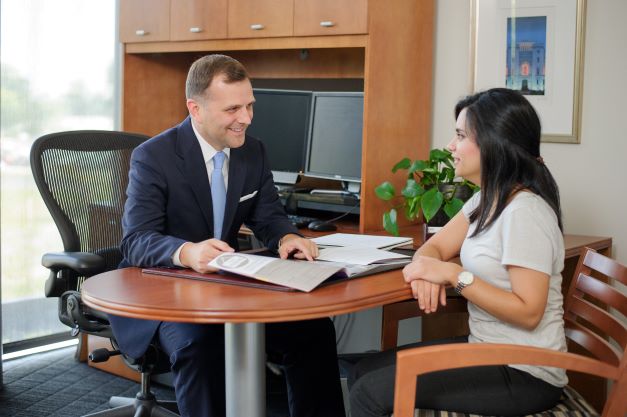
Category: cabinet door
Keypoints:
(144, 20)
(260, 18)
(330, 17)
(197, 19)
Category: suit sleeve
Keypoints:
(144, 242)
(268, 220)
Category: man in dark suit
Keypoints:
(190, 189)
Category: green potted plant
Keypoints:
(431, 189)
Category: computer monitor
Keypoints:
(335, 137)
(281, 122)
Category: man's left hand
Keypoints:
(299, 247)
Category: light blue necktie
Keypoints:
(218, 194)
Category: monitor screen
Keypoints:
(335, 136)
(281, 122)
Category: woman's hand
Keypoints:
(428, 278)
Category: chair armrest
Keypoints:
(83, 263)
(417, 361)
(61, 263)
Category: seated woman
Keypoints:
(509, 239)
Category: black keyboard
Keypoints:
(300, 221)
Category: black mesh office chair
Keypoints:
(82, 177)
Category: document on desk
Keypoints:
(359, 240)
(355, 255)
(305, 275)
(300, 275)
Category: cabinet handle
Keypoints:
(195, 30)
(141, 32)
(256, 26)
(327, 24)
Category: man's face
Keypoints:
(223, 113)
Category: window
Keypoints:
(58, 72)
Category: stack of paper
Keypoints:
(364, 241)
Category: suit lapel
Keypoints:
(193, 167)
(237, 175)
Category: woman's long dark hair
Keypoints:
(507, 131)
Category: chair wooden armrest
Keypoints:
(417, 361)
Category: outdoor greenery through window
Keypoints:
(58, 72)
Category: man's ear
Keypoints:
(194, 108)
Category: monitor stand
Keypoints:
(348, 189)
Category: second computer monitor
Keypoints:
(281, 122)
(335, 137)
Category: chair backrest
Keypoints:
(82, 178)
(587, 316)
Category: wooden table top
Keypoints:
(130, 293)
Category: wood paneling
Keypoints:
(144, 20)
(398, 89)
(330, 17)
(273, 17)
(197, 19)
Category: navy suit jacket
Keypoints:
(169, 203)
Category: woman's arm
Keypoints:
(523, 306)
(444, 245)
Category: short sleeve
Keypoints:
(528, 238)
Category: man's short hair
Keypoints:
(205, 69)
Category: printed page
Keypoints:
(370, 241)
(361, 255)
(301, 275)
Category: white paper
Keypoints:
(300, 275)
(370, 241)
(360, 255)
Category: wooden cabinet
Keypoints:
(197, 19)
(330, 17)
(388, 45)
(260, 18)
(144, 20)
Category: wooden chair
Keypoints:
(588, 324)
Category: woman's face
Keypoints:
(466, 155)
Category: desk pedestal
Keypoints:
(245, 369)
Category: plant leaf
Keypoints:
(439, 155)
(431, 202)
(418, 166)
(402, 164)
(389, 222)
(412, 189)
(385, 191)
(451, 208)
(412, 206)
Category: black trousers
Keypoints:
(485, 390)
(305, 349)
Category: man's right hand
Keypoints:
(198, 255)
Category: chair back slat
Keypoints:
(603, 320)
(592, 342)
(606, 266)
(601, 291)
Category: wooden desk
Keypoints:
(129, 293)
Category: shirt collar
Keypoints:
(207, 150)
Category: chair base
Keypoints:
(138, 407)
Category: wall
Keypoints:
(592, 174)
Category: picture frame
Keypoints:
(536, 47)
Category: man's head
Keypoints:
(219, 100)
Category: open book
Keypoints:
(303, 275)
(370, 241)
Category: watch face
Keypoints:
(466, 277)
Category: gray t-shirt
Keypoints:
(526, 234)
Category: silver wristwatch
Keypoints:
(464, 279)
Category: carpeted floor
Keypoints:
(54, 384)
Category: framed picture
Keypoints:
(537, 48)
